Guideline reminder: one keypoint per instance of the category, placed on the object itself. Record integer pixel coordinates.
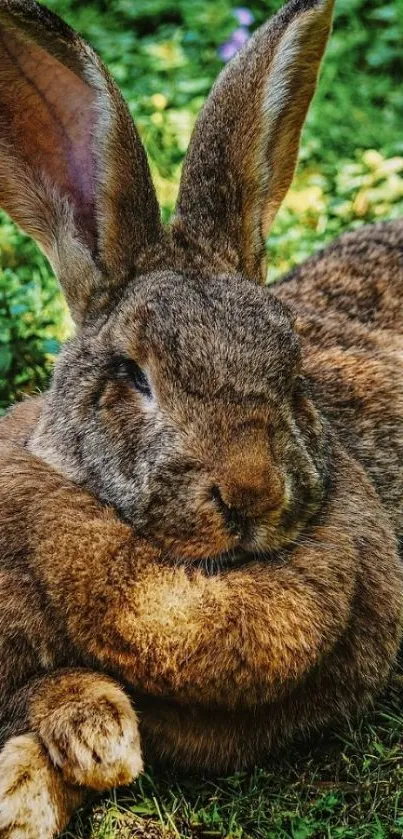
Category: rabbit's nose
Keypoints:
(235, 519)
(240, 501)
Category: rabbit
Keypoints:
(200, 520)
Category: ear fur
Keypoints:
(244, 148)
(73, 172)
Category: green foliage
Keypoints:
(31, 316)
(325, 200)
(163, 54)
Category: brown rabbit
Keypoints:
(206, 504)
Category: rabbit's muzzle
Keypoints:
(225, 499)
(248, 488)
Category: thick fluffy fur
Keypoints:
(213, 532)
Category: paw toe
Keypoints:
(94, 738)
(32, 804)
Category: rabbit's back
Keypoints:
(359, 276)
(349, 304)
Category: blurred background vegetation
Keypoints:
(164, 55)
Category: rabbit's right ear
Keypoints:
(73, 172)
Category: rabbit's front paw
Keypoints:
(93, 736)
(34, 802)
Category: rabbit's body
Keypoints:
(132, 615)
(232, 735)
(249, 440)
(349, 304)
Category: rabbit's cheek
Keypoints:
(303, 494)
(186, 529)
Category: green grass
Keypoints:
(163, 54)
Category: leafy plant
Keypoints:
(32, 317)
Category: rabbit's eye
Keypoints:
(129, 371)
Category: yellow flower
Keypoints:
(159, 101)
(168, 53)
(304, 200)
(372, 158)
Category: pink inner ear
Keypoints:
(47, 117)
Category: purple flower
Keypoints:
(238, 38)
(244, 16)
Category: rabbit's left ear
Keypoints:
(73, 172)
(244, 148)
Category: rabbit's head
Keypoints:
(180, 400)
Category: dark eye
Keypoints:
(129, 371)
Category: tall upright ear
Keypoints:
(244, 148)
(73, 172)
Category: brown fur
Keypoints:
(221, 536)
(34, 799)
(152, 624)
(348, 301)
